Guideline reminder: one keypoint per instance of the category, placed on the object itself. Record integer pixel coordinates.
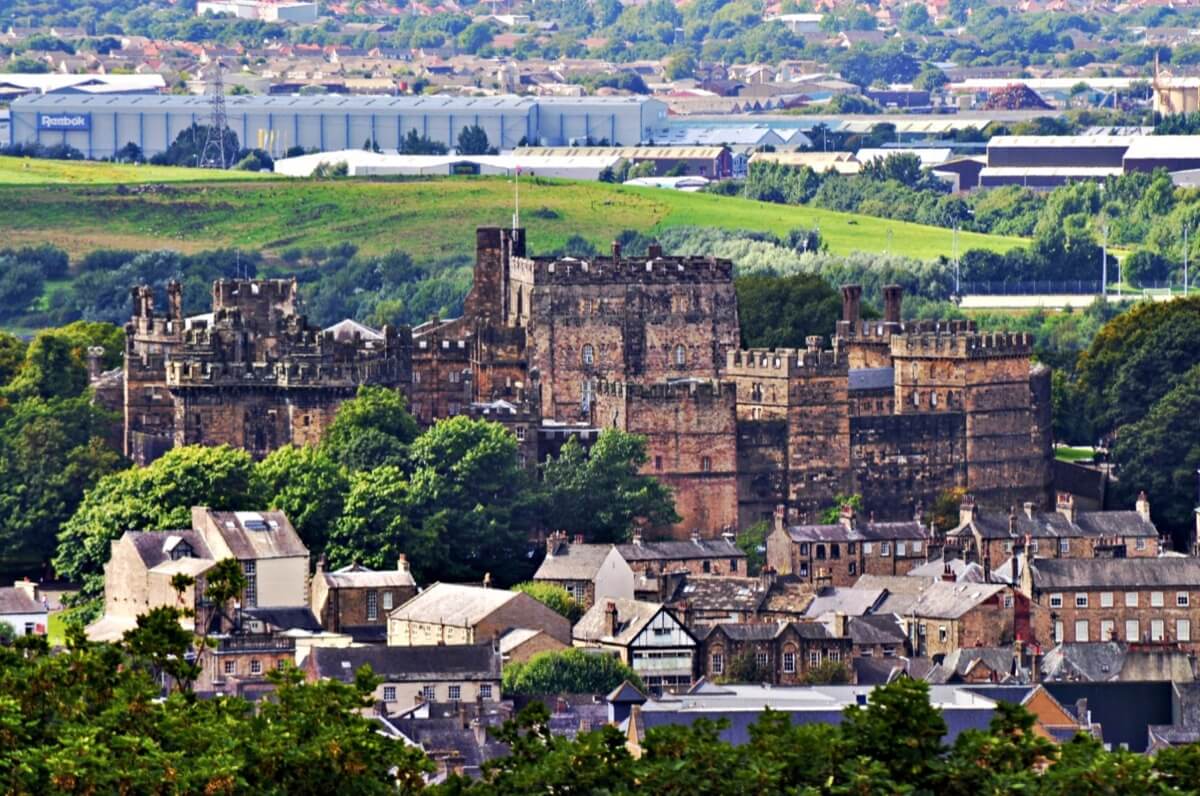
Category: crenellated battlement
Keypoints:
(672, 391)
(958, 345)
(654, 270)
(786, 363)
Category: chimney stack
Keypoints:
(27, 586)
(402, 563)
(1029, 509)
(611, 619)
(846, 516)
(851, 303)
(780, 517)
(95, 361)
(654, 250)
(892, 297)
(578, 538)
(1065, 506)
(813, 343)
(321, 564)
(616, 250)
(1143, 506)
(487, 580)
(966, 510)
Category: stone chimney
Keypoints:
(616, 250)
(1065, 505)
(637, 535)
(892, 297)
(553, 540)
(321, 564)
(611, 620)
(578, 538)
(487, 580)
(966, 510)
(846, 516)
(654, 250)
(851, 303)
(402, 563)
(948, 572)
(27, 586)
(1029, 509)
(840, 626)
(479, 731)
(695, 536)
(813, 343)
(766, 578)
(95, 362)
(1143, 506)
(780, 517)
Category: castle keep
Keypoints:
(555, 347)
(252, 373)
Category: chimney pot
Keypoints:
(578, 538)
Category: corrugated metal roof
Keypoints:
(1155, 147)
(644, 152)
(320, 102)
(1059, 141)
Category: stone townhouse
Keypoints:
(990, 538)
(877, 636)
(841, 553)
(588, 572)
(1115, 599)
(941, 616)
(356, 600)
(784, 653)
(142, 564)
(450, 613)
(647, 637)
(696, 556)
(705, 600)
(412, 675)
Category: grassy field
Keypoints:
(428, 217)
(36, 171)
(1068, 454)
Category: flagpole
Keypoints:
(517, 198)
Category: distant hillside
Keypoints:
(85, 206)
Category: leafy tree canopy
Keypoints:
(569, 671)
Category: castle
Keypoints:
(562, 347)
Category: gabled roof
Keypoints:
(877, 629)
(409, 664)
(153, 547)
(679, 551)
(1124, 573)
(454, 604)
(632, 618)
(868, 531)
(258, 534)
(573, 561)
(721, 594)
(348, 328)
(356, 576)
(943, 600)
(1054, 525)
(844, 600)
(14, 600)
(626, 693)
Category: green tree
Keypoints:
(829, 673)
(51, 370)
(832, 513)
(601, 493)
(308, 486)
(783, 311)
(156, 497)
(1005, 758)
(372, 429)
(931, 79)
(12, 355)
(553, 596)
(914, 18)
(680, 66)
(376, 525)
(416, 144)
(473, 140)
(899, 711)
(753, 542)
(569, 671)
(470, 493)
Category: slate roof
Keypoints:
(151, 546)
(16, 601)
(961, 662)
(258, 534)
(960, 569)
(849, 601)
(858, 532)
(877, 629)
(453, 604)
(346, 330)
(942, 600)
(1055, 525)
(877, 671)
(679, 551)
(721, 594)
(285, 618)
(1050, 574)
(573, 562)
(747, 631)
(864, 379)
(409, 664)
(1117, 660)
(356, 576)
(632, 618)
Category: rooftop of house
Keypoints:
(155, 547)
(877, 629)
(408, 664)
(356, 576)
(454, 604)
(956, 568)
(1051, 574)
(942, 599)
(765, 631)
(845, 600)
(1117, 660)
(679, 551)
(632, 616)
(961, 663)
(17, 600)
(1064, 523)
(255, 535)
(852, 529)
(567, 561)
(705, 696)
(720, 594)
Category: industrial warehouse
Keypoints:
(99, 126)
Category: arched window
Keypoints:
(589, 354)
(680, 356)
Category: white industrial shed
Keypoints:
(98, 126)
(361, 163)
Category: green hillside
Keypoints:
(73, 207)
